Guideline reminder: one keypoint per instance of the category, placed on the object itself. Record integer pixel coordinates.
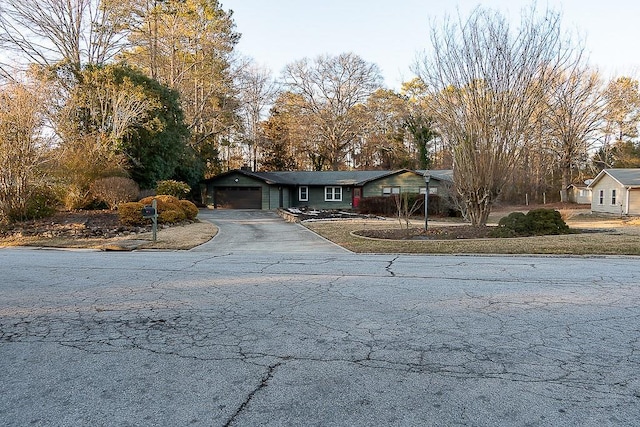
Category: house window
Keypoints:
(387, 191)
(613, 197)
(303, 194)
(432, 190)
(332, 194)
(601, 197)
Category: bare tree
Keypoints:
(257, 91)
(404, 211)
(574, 114)
(48, 32)
(621, 119)
(622, 110)
(487, 82)
(23, 149)
(331, 87)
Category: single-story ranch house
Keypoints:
(616, 191)
(245, 189)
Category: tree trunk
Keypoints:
(479, 205)
(566, 181)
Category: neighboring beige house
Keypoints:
(579, 193)
(616, 191)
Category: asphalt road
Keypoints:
(156, 338)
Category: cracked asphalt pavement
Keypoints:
(156, 338)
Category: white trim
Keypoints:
(336, 190)
(306, 191)
(626, 208)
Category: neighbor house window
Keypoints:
(601, 197)
(613, 197)
(303, 194)
(432, 190)
(387, 191)
(332, 194)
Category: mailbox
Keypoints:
(148, 212)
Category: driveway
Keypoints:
(244, 231)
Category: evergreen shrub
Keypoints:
(173, 188)
(537, 222)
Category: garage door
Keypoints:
(238, 197)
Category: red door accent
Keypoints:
(357, 192)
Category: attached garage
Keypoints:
(238, 197)
(616, 191)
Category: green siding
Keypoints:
(316, 198)
(408, 182)
(276, 194)
(243, 181)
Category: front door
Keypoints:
(357, 194)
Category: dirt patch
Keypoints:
(433, 233)
(78, 225)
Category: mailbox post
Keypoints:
(152, 212)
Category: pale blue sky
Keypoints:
(391, 32)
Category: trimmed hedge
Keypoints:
(170, 210)
(190, 210)
(131, 213)
(183, 209)
(171, 216)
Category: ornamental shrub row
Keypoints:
(170, 210)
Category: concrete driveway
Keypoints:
(244, 231)
(277, 339)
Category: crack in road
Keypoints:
(390, 265)
(262, 385)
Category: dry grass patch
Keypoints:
(180, 237)
(623, 240)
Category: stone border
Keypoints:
(287, 216)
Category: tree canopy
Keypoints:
(155, 89)
(330, 88)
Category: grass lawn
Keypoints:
(603, 236)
